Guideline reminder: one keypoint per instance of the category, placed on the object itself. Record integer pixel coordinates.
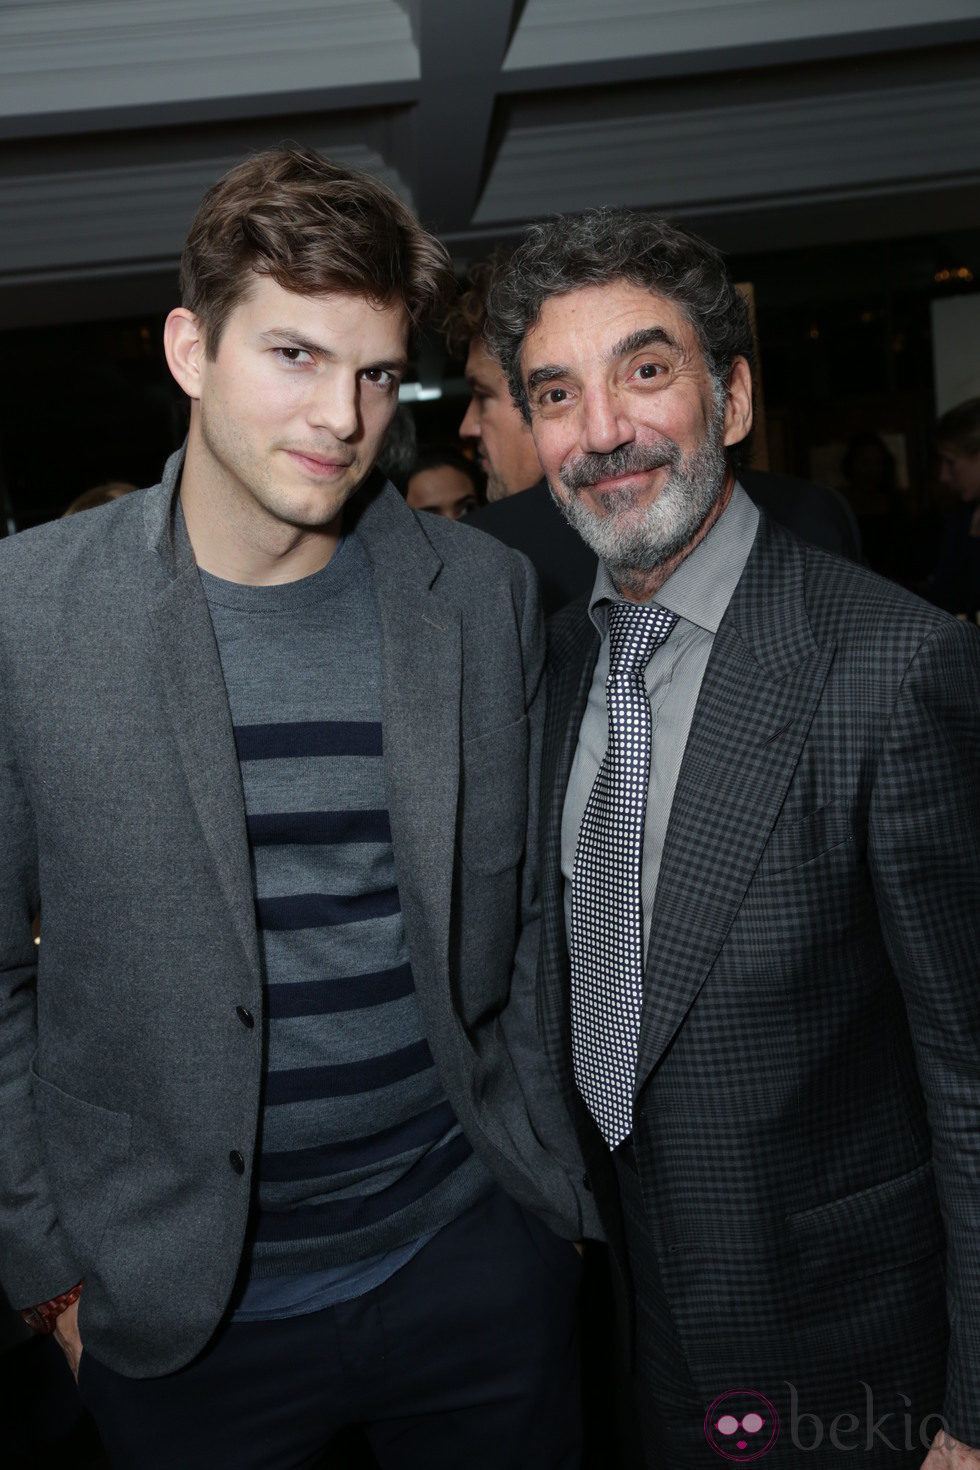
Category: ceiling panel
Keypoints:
(61, 56)
(770, 152)
(555, 33)
(122, 217)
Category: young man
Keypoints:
(760, 894)
(264, 753)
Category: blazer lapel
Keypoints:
(197, 705)
(421, 640)
(761, 688)
(571, 663)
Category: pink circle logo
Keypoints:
(741, 1425)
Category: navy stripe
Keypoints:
(327, 997)
(281, 828)
(356, 1153)
(308, 737)
(300, 1084)
(317, 910)
(334, 1216)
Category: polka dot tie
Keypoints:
(606, 940)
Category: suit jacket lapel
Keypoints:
(421, 675)
(197, 705)
(421, 640)
(574, 647)
(759, 694)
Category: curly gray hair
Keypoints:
(568, 252)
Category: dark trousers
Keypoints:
(465, 1359)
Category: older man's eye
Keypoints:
(647, 371)
(554, 395)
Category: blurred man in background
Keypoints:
(956, 585)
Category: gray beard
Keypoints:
(630, 546)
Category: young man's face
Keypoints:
(503, 440)
(293, 408)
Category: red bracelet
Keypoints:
(43, 1317)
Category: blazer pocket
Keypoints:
(891, 1224)
(802, 840)
(493, 818)
(86, 1149)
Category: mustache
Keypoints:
(627, 459)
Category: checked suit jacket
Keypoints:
(807, 1096)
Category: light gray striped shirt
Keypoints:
(699, 592)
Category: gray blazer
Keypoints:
(128, 1086)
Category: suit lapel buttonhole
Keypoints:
(782, 729)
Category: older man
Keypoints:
(523, 514)
(761, 886)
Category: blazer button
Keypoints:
(245, 1016)
(587, 1183)
(236, 1161)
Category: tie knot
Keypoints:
(635, 630)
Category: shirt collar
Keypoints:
(700, 589)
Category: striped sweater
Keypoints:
(360, 1151)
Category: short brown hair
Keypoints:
(313, 226)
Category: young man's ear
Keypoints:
(738, 402)
(183, 342)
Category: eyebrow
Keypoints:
(635, 342)
(643, 337)
(278, 336)
(546, 374)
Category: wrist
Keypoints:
(44, 1315)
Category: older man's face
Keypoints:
(628, 424)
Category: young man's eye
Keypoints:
(293, 354)
(379, 376)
